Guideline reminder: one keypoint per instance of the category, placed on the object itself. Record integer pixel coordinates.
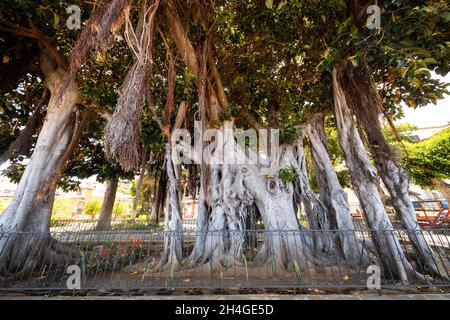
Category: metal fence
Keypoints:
(74, 225)
(126, 260)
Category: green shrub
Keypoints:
(92, 208)
(143, 218)
(288, 174)
(119, 209)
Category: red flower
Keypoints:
(138, 242)
(122, 250)
(105, 252)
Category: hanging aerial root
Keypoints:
(122, 132)
(97, 37)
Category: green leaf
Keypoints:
(407, 42)
(282, 4)
(445, 15)
(55, 20)
(430, 61)
(412, 103)
(425, 71)
(415, 82)
(269, 4)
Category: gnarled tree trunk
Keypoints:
(105, 217)
(364, 177)
(332, 194)
(233, 191)
(317, 212)
(173, 228)
(363, 99)
(32, 204)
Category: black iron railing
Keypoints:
(128, 260)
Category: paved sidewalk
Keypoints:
(243, 297)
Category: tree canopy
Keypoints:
(96, 101)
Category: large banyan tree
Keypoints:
(204, 69)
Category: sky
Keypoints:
(431, 115)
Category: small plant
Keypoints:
(288, 174)
(274, 271)
(146, 271)
(106, 257)
(298, 273)
(119, 209)
(171, 275)
(143, 218)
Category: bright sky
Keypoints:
(431, 115)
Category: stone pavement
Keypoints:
(299, 297)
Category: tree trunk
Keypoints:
(332, 194)
(286, 246)
(363, 99)
(105, 218)
(32, 204)
(233, 190)
(154, 199)
(202, 223)
(364, 177)
(173, 228)
(192, 183)
(160, 205)
(139, 185)
(317, 212)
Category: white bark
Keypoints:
(395, 179)
(173, 228)
(364, 177)
(317, 212)
(202, 228)
(32, 204)
(332, 194)
(233, 192)
(363, 99)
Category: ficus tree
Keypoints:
(64, 122)
(279, 65)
